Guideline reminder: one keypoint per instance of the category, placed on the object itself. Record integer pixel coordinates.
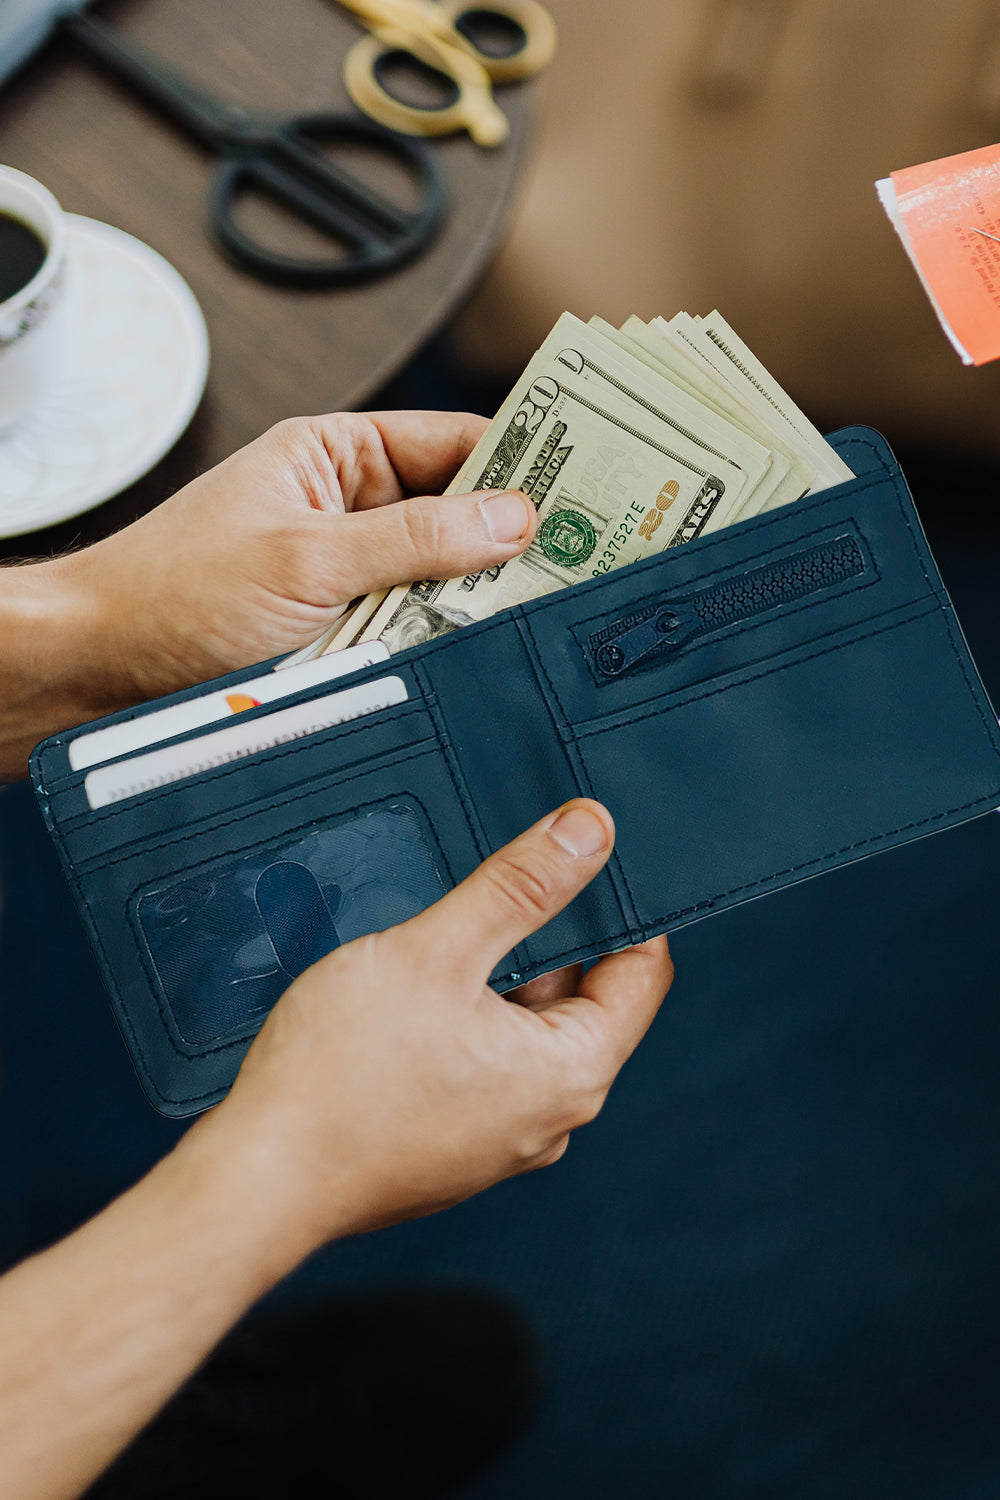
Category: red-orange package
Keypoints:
(947, 214)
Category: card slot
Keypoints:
(214, 706)
(50, 759)
(193, 831)
(184, 803)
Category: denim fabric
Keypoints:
(770, 1270)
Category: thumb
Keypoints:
(518, 889)
(433, 536)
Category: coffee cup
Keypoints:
(32, 253)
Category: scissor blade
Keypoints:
(208, 119)
(317, 208)
(304, 159)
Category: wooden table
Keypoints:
(276, 352)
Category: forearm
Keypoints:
(98, 1332)
(53, 671)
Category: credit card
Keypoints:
(208, 708)
(128, 778)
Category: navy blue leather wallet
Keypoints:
(755, 707)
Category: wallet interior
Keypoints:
(754, 708)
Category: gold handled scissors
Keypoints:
(440, 35)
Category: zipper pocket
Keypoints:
(660, 630)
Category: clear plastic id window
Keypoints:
(226, 941)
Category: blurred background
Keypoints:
(721, 153)
(772, 1267)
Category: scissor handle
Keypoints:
(433, 34)
(472, 108)
(443, 21)
(532, 20)
(377, 233)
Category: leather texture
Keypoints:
(813, 701)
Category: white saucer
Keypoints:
(132, 371)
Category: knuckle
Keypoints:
(526, 1152)
(288, 433)
(523, 889)
(421, 529)
(539, 1150)
(553, 1153)
(361, 443)
(297, 444)
(433, 533)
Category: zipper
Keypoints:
(662, 629)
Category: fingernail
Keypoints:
(579, 832)
(506, 516)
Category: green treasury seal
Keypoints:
(567, 538)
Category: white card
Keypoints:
(128, 778)
(208, 708)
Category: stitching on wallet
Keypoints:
(736, 626)
(577, 764)
(929, 610)
(648, 928)
(824, 498)
(146, 799)
(834, 854)
(450, 759)
(243, 817)
(149, 968)
(584, 775)
(989, 726)
(120, 1010)
(454, 768)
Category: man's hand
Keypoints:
(390, 1080)
(254, 559)
(257, 557)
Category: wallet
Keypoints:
(755, 707)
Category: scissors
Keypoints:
(282, 158)
(440, 34)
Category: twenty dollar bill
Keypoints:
(589, 436)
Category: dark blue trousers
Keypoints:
(769, 1271)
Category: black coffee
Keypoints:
(22, 252)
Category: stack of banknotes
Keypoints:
(628, 441)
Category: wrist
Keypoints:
(240, 1168)
(52, 655)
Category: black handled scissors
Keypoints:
(282, 158)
